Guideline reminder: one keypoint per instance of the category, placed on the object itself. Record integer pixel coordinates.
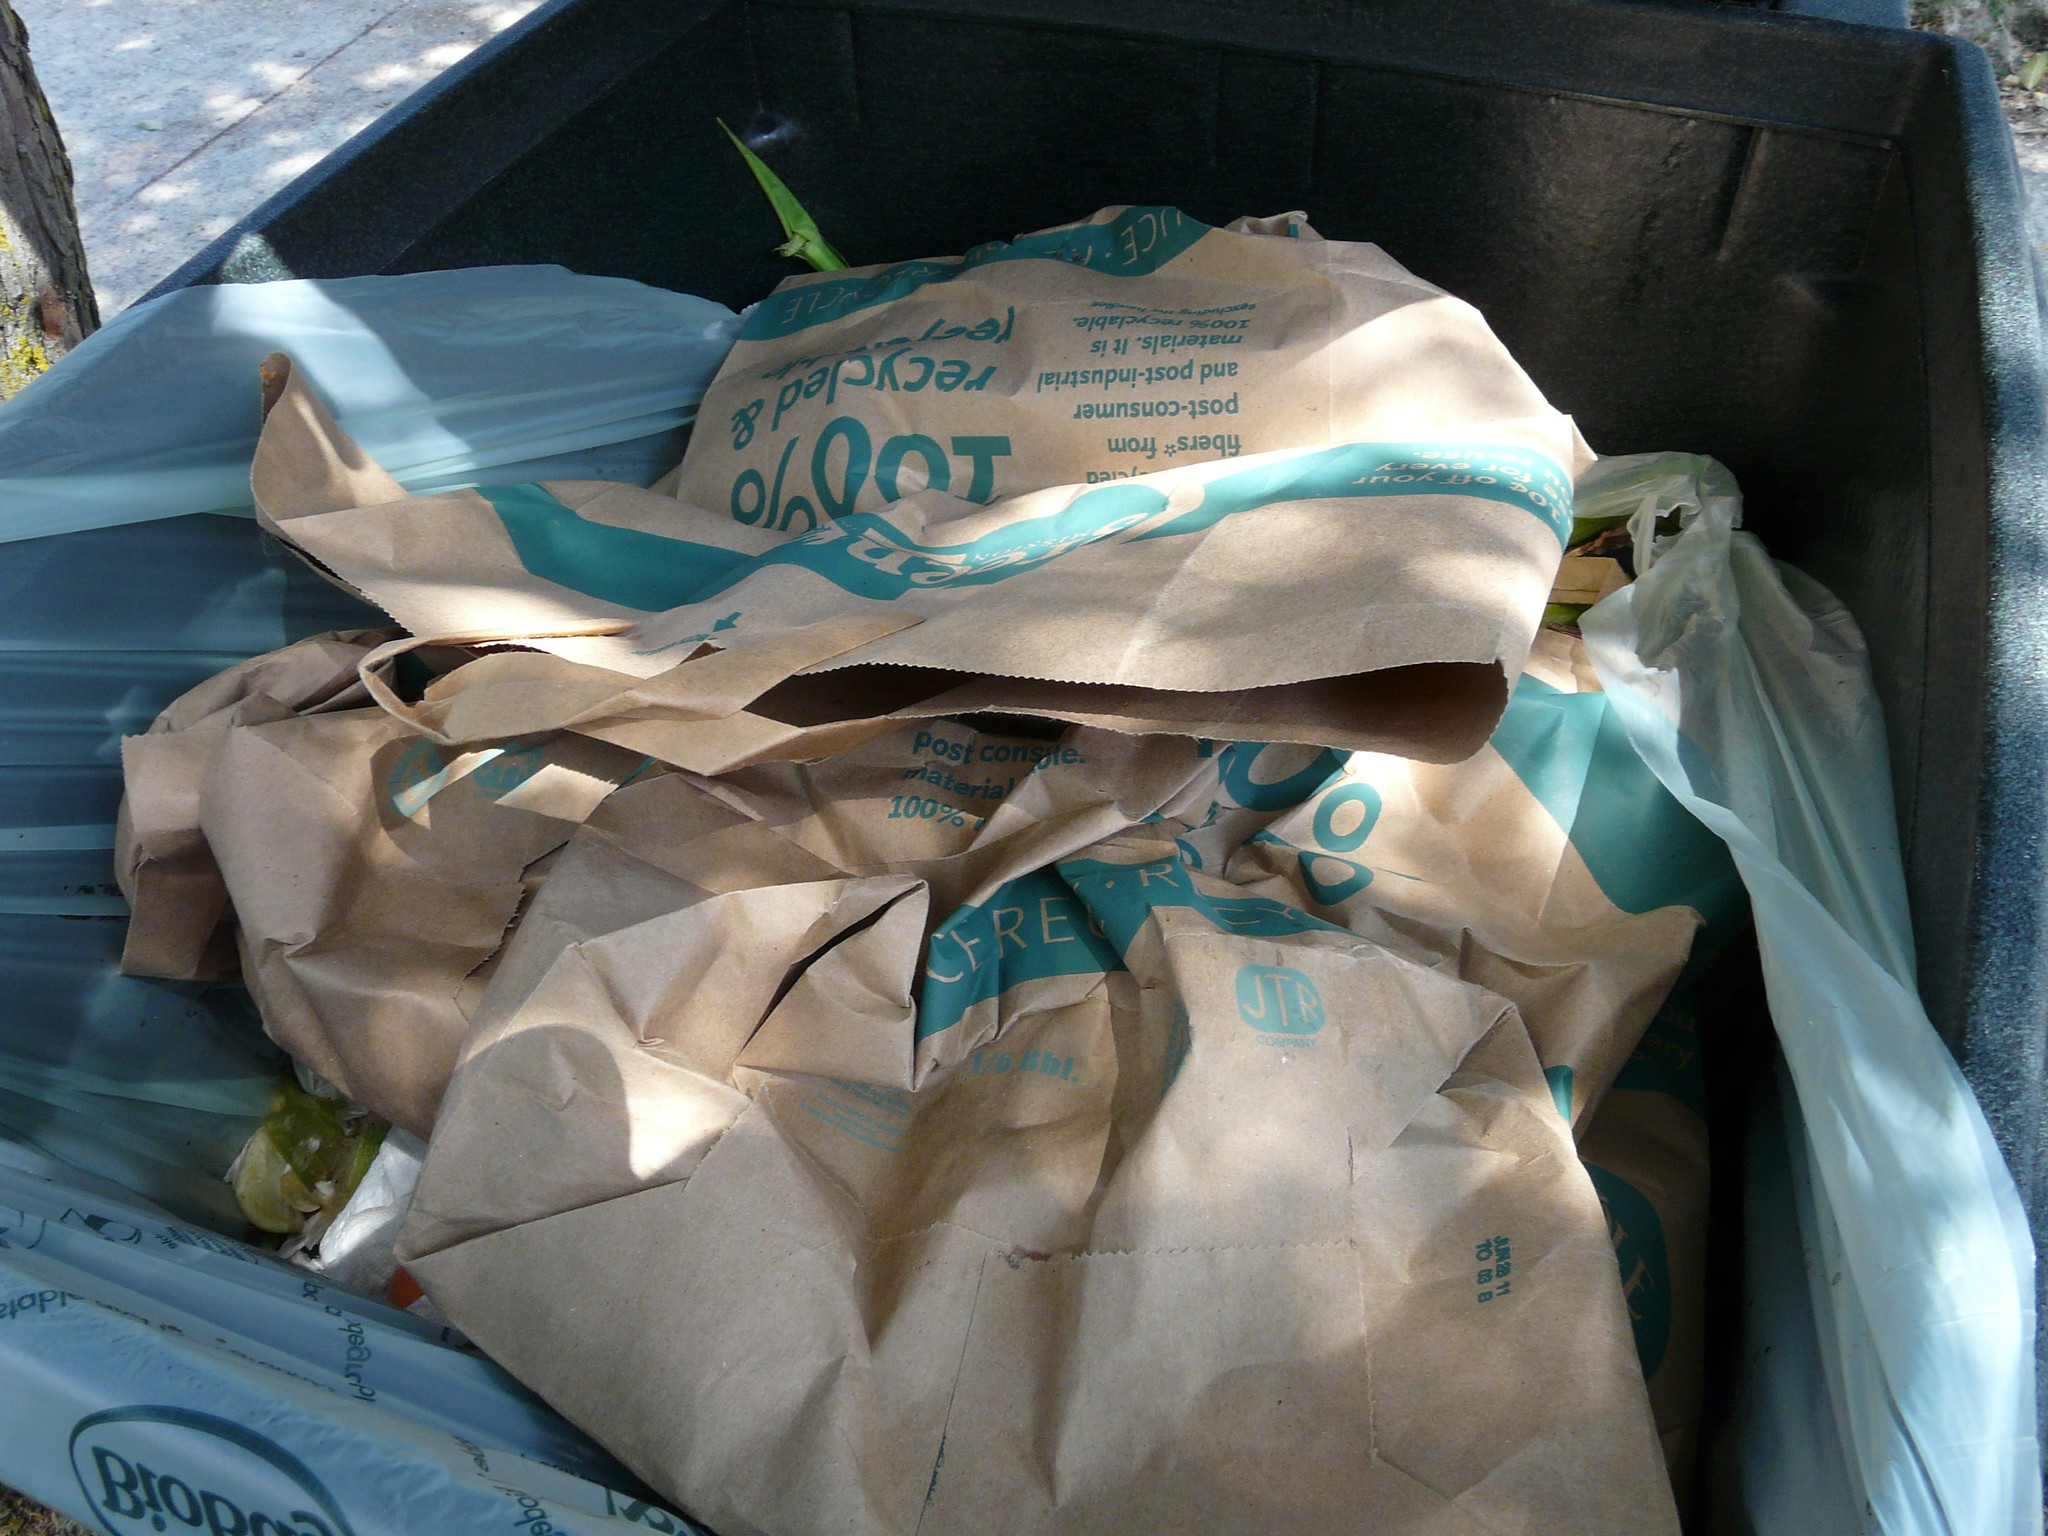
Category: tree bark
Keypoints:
(46, 299)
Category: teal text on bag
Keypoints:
(1031, 929)
(1121, 897)
(1639, 1248)
(1237, 763)
(1278, 1000)
(1079, 922)
(1668, 1059)
(1135, 243)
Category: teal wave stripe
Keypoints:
(1496, 472)
(869, 556)
(615, 565)
(1641, 846)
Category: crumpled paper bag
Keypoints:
(367, 874)
(1105, 350)
(178, 906)
(1549, 867)
(1235, 1220)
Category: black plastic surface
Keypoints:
(1874, 13)
(1788, 242)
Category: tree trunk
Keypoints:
(46, 300)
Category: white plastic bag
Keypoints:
(1745, 687)
(142, 1351)
(356, 1248)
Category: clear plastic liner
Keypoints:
(134, 1340)
(135, 1335)
(501, 373)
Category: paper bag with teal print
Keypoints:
(978, 817)
(1228, 1219)
(1646, 1150)
(1132, 341)
(373, 874)
(1362, 564)
(1550, 867)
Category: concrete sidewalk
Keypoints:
(182, 115)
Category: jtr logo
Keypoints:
(1278, 1000)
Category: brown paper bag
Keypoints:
(978, 817)
(372, 873)
(1104, 350)
(178, 905)
(1369, 576)
(1278, 1232)
(459, 563)
(1467, 868)
(1647, 1151)
(678, 921)
(695, 716)
(967, 810)
(363, 874)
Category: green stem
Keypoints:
(805, 240)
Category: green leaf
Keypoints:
(805, 240)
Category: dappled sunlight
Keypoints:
(499, 17)
(1080, 1235)
(292, 165)
(227, 107)
(276, 75)
(386, 75)
(207, 108)
(166, 191)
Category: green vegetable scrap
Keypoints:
(1603, 535)
(805, 240)
(1587, 529)
(304, 1161)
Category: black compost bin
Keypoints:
(1791, 243)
